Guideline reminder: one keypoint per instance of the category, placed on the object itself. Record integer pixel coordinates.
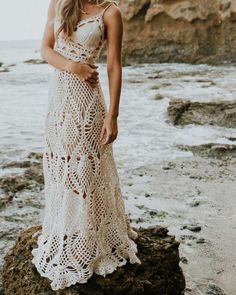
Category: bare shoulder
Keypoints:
(112, 12)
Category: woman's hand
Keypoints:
(109, 129)
(86, 72)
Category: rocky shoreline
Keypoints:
(177, 167)
(191, 176)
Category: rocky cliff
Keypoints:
(195, 31)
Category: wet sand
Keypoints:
(195, 198)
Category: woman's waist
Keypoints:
(62, 80)
(76, 52)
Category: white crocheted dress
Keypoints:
(85, 228)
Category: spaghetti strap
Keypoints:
(113, 2)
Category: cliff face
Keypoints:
(195, 31)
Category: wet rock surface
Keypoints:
(35, 61)
(21, 185)
(214, 290)
(216, 150)
(3, 68)
(31, 177)
(159, 272)
(221, 113)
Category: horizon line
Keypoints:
(23, 40)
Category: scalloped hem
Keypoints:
(74, 278)
(78, 280)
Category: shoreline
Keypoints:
(179, 176)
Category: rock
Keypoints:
(35, 173)
(194, 203)
(139, 220)
(159, 273)
(11, 65)
(157, 213)
(13, 184)
(216, 150)
(184, 260)
(221, 113)
(214, 290)
(36, 61)
(200, 241)
(192, 226)
(140, 206)
(5, 200)
(32, 176)
(15, 164)
(158, 97)
(161, 85)
(35, 156)
(168, 166)
(190, 31)
(4, 69)
(231, 138)
(187, 237)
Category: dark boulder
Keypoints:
(159, 273)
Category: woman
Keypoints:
(85, 228)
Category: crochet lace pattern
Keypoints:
(85, 228)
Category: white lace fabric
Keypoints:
(85, 228)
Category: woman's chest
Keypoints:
(88, 33)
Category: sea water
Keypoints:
(145, 136)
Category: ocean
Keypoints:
(144, 137)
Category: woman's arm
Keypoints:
(85, 71)
(114, 28)
(47, 52)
